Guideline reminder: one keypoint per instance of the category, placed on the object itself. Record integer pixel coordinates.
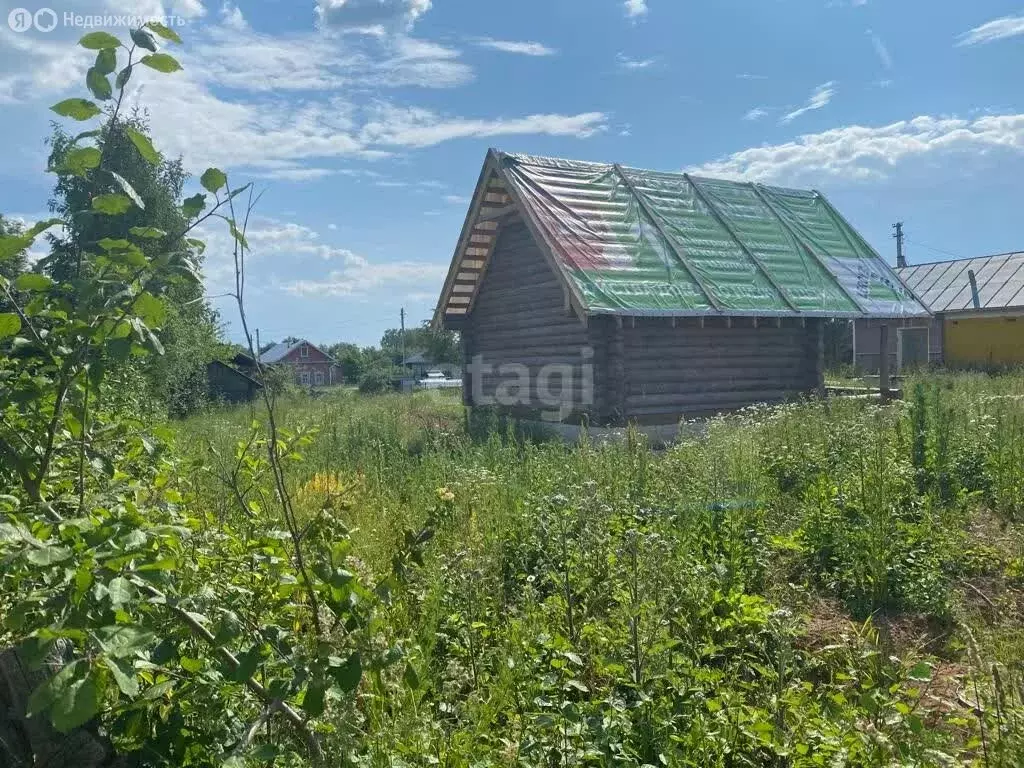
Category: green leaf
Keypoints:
(48, 555)
(213, 179)
(236, 233)
(313, 701)
(98, 83)
(193, 206)
(128, 190)
(191, 665)
(106, 61)
(248, 663)
(10, 324)
(143, 39)
(42, 226)
(922, 671)
(150, 309)
(111, 204)
(124, 676)
(348, 674)
(44, 696)
(76, 109)
(11, 245)
(144, 145)
(161, 62)
(147, 233)
(32, 281)
(164, 32)
(96, 41)
(121, 591)
(80, 160)
(122, 641)
(77, 705)
(123, 77)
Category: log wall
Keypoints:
(692, 371)
(519, 318)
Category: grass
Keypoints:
(827, 583)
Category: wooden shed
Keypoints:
(586, 290)
(978, 322)
(230, 385)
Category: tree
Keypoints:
(438, 345)
(15, 265)
(153, 210)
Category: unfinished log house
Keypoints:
(610, 294)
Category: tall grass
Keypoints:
(792, 585)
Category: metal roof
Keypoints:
(945, 286)
(279, 351)
(635, 242)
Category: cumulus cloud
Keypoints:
(860, 152)
(821, 97)
(370, 15)
(360, 276)
(990, 31)
(636, 9)
(523, 48)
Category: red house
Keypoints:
(310, 366)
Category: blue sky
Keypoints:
(366, 121)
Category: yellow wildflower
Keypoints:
(445, 494)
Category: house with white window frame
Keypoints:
(309, 365)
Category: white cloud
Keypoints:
(414, 127)
(755, 114)
(636, 9)
(360, 276)
(316, 62)
(633, 64)
(859, 152)
(275, 243)
(279, 106)
(295, 173)
(821, 96)
(370, 15)
(997, 29)
(524, 48)
(231, 16)
(748, 76)
(881, 50)
(32, 65)
(456, 199)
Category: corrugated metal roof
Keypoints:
(279, 351)
(945, 286)
(635, 242)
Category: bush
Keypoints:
(376, 381)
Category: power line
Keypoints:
(936, 250)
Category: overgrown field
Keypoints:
(829, 583)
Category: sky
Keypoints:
(365, 123)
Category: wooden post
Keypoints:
(883, 361)
(616, 379)
(467, 360)
(818, 340)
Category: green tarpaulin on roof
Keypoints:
(636, 242)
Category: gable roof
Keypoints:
(280, 351)
(945, 286)
(221, 365)
(625, 241)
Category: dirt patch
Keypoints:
(909, 634)
(827, 624)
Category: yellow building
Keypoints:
(978, 306)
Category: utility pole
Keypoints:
(403, 335)
(901, 259)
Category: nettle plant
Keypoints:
(185, 638)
